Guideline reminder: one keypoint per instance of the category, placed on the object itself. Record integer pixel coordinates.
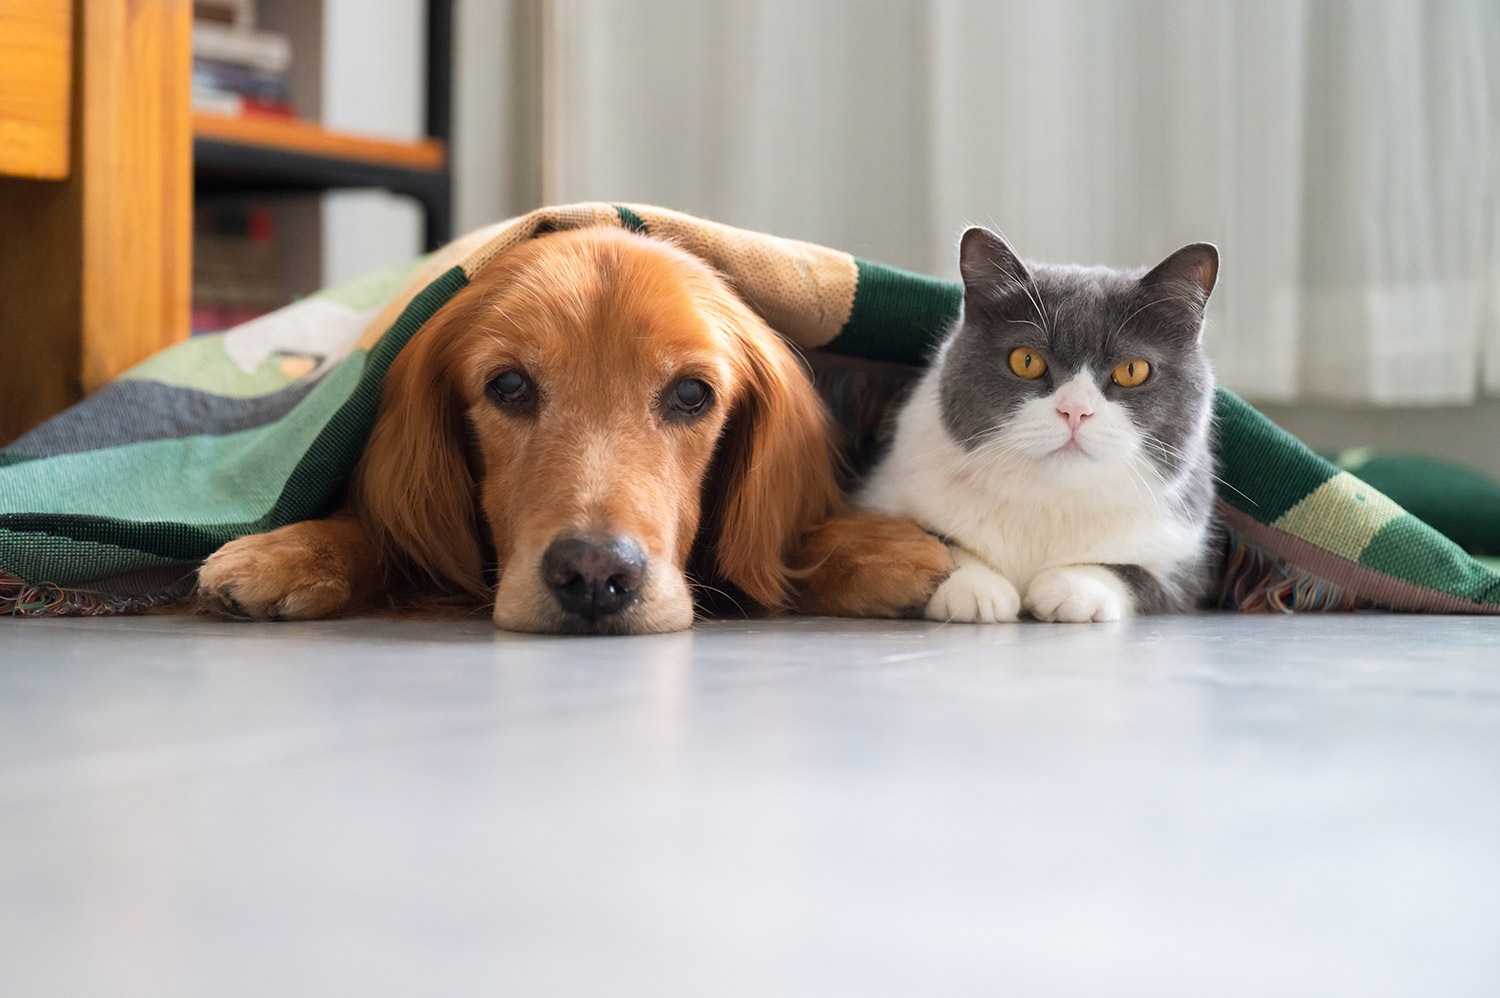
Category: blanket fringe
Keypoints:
(1255, 581)
(22, 599)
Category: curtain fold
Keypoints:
(1344, 155)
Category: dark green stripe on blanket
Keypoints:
(1406, 548)
(1266, 471)
(897, 316)
(320, 476)
(630, 219)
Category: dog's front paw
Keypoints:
(870, 565)
(974, 594)
(295, 573)
(1075, 593)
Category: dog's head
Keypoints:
(593, 407)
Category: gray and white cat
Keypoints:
(1060, 441)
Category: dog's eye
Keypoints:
(688, 397)
(512, 390)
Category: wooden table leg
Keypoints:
(96, 270)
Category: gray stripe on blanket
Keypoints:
(134, 411)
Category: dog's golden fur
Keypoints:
(603, 322)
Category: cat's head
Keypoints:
(1080, 373)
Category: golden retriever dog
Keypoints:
(591, 432)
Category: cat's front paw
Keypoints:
(974, 594)
(1076, 594)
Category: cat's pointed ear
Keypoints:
(987, 263)
(1190, 272)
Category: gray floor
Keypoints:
(1213, 805)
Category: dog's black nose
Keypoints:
(594, 578)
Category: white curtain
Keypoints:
(1344, 156)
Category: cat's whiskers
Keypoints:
(1138, 482)
(1155, 472)
(1041, 308)
(998, 450)
(994, 457)
(1159, 301)
(1183, 456)
(983, 438)
(1036, 302)
(1169, 451)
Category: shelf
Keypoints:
(263, 154)
(303, 138)
(256, 155)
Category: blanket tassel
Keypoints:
(22, 599)
(1255, 581)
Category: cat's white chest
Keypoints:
(1021, 537)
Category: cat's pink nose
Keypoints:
(1075, 413)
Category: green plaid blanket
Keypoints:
(110, 506)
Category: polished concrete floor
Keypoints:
(1215, 805)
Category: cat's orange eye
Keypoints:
(1027, 363)
(1130, 373)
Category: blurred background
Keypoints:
(1345, 157)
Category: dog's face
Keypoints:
(590, 406)
(596, 392)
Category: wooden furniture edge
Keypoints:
(36, 72)
(96, 270)
(306, 138)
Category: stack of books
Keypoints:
(235, 276)
(238, 69)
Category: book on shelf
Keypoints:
(241, 70)
(235, 270)
(237, 13)
(229, 89)
(263, 50)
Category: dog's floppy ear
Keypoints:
(774, 478)
(414, 485)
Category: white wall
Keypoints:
(804, 119)
(482, 112)
(373, 82)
